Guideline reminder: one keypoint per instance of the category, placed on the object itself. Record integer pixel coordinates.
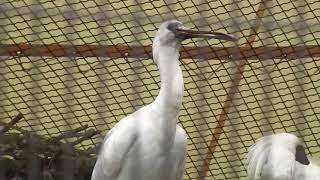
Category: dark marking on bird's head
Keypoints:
(301, 156)
(167, 34)
(172, 32)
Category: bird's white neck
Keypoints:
(171, 91)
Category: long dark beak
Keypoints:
(188, 33)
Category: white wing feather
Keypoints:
(181, 155)
(257, 157)
(309, 172)
(116, 145)
(272, 158)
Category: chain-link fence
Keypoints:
(69, 70)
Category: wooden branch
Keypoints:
(69, 134)
(13, 154)
(187, 52)
(230, 96)
(18, 151)
(90, 133)
(9, 125)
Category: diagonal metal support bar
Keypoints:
(230, 95)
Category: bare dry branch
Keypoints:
(69, 134)
(11, 123)
(90, 133)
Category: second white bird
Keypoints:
(281, 157)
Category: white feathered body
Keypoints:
(138, 149)
(273, 158)
(310, 172)
(148, 144)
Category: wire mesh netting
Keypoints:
(71, 64)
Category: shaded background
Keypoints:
(233, 94)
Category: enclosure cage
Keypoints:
(70, 70)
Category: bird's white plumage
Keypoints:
(127, 154)
(273, 157)
(310, 172)
(148, 144)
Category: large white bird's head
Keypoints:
(290, 141)
(171, 33)
(293, 144)
(275, 156)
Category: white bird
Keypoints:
(281, 157)
(148, 144)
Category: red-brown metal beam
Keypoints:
(120, 51)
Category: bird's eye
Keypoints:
(172, 27)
